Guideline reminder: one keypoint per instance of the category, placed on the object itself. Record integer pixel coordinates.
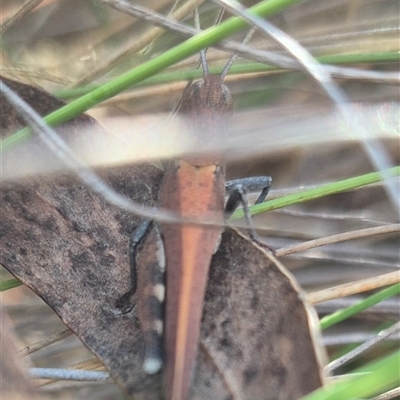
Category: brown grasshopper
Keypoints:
(193, 186)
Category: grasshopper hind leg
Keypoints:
(147, 270)
(125, 303)
(151, 294)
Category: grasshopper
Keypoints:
(193, 186)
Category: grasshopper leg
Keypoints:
(237, 190)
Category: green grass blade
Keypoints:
(376, 377)
(9, 284)
(370, 301)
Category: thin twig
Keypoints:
(68, 375)
(391, 394)
(348, 338)
(355, 287)
(89, 365)
(362, 348)
(45, 342)
(354, 375)
(341, 237)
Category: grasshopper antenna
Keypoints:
(203, 59)
(235, 56)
